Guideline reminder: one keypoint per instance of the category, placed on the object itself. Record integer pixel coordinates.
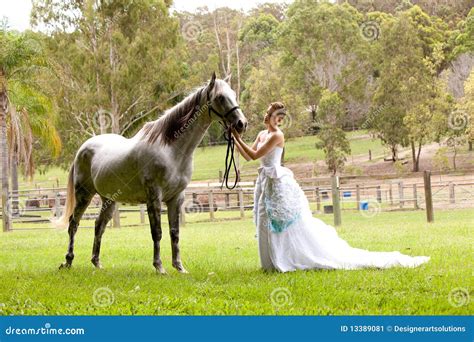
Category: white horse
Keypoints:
(153, 166)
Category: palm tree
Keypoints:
(31, 116)
(24, 110)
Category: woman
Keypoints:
(289, 237)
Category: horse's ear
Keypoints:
(227, 79)
(212, 82)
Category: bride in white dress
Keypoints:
(289, 237)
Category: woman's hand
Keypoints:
(235, 134)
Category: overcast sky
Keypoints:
(18, 11)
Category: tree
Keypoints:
(20, 60)
(466, 110)
(266, 84)
(323, 48)
(31, 127)
(410, 61)
(118, 63)
(333, 140)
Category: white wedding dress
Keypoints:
(290, 238)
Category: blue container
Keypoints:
(364, 205)
(346, 194)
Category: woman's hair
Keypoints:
(276, 106)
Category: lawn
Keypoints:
(225, 278)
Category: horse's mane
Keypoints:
(172, 121)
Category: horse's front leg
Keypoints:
(174, 211)
(154, 215)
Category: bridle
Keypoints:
(230, 144)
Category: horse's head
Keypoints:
(223, 106)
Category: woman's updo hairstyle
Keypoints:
(276, 106)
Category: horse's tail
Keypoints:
(63, 221)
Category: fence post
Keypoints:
(211, 204)
(390, 194)
(57, 205)
(358, 197)
(142, 213)
(379, 194)
(415, 197)
(116, 216)
(428, 196)
(335, 200)
(318, 200)
(241, 203)
(227, 204)
(400, 194)
(452, 198)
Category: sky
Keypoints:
(18, 11)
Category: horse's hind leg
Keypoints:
(83, 198)
(104, 217)
(173, 219)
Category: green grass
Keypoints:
(225, 278)
(209, 160)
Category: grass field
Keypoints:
(225, 278)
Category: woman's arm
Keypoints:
(264, 149)
(241, 151)
(255, 143)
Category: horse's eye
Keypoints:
(220, 98)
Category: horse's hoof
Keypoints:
(65, 265)
(97, 264)
(161, 270)
(179, 267)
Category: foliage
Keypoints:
(333, 139)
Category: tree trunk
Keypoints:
(237, 58)
(470, 145)
(455, 152)
(14, 170)
(114, 116)
(413, 155)
(6, 222)
(418, 157)
(394, 152)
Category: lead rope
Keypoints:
(228, 165)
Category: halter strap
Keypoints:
(230, 145)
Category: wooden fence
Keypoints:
(368, 195)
